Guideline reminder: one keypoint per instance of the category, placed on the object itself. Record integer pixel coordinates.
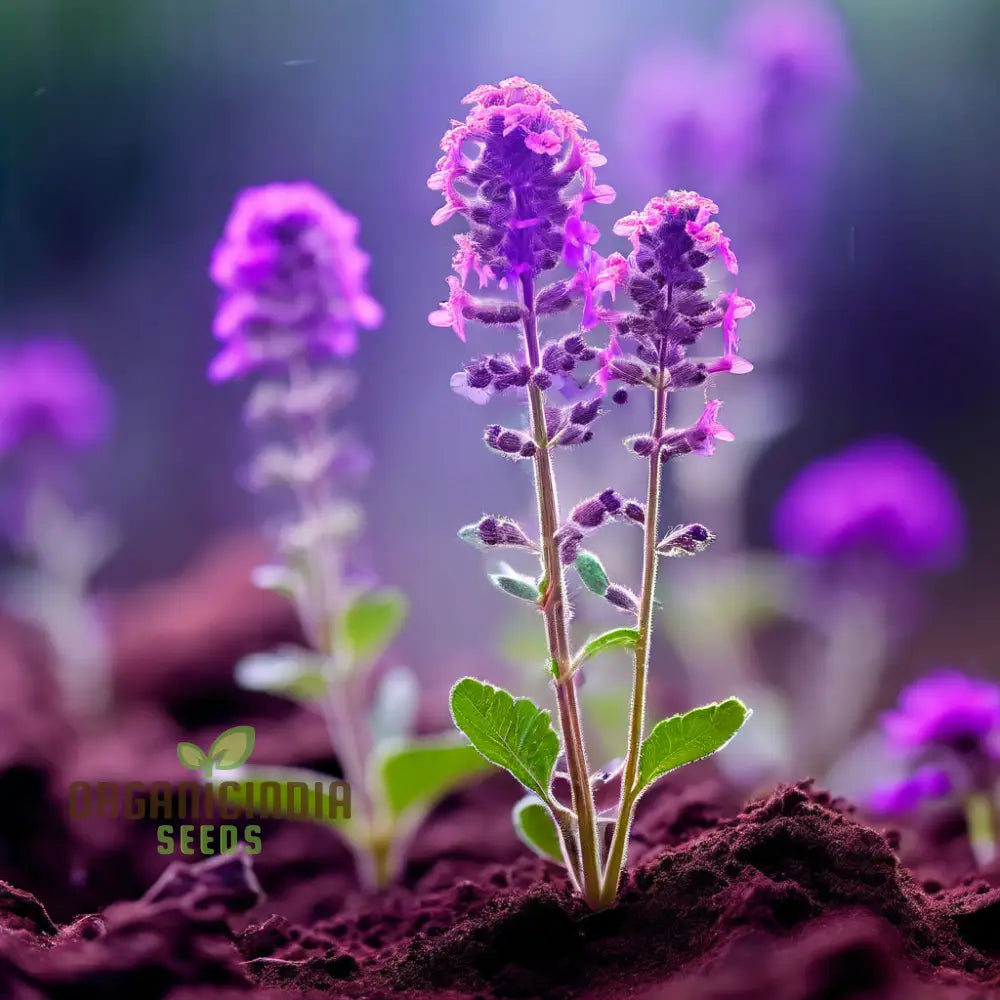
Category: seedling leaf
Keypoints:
(535, 826)
(287, 671)
(515, 735)
(617, 638)
(191, 756)
(232, 748)
(592, 573)
(372, 622)
(688, 737)
(415, 774)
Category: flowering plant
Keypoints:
(53, 407)
(947, 729)
(522, 173)
(294, 295)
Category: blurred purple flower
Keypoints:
(906, 794)
(945, 709)
(685, 116)
(753, 123)
(293, 280)
(792, 49)
(50, 392)
(883, 495)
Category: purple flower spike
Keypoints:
(50, 392)
(906, 795)
(943, 709)
(883, 495)
(521, 172)
(293, 280)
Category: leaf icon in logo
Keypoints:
(232, 748)
(191, 756)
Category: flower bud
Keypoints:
(685, 540)
(513, 444)
(584, 412)
(634, 511)
(590, 513)
(641, 444)
(611, 499)
(622, 597)
(496, 532)
(592, 573)
(630, 372)
(516, 585)
(554, 298)
(568, 538)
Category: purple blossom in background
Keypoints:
(50, 394)
(754, 120)
(883, 495)
(947, 727)
(907, 794)
(293, 280)
(943, 709)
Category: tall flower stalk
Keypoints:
(294, 295)
(54, 406)
(521, 172)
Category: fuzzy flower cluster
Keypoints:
(50, 393)
(522, 172)
(947, 725)
(293, 281)
(673, 239)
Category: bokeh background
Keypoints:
(127, 128)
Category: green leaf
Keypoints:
(515, 735)
(313, 799)
(415, 774)
(682, 739)
(535, 826)
(516, 585)
(232, 747)
(592, 572)
(617, 638)
(371, 623)
(191, 756)
(288, 671)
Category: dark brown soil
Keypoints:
(789, 900)
(792, 898)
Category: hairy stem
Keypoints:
(637, 713)
(555, 612)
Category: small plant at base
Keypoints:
(294, 295)
(947, 728)
(522, 174)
